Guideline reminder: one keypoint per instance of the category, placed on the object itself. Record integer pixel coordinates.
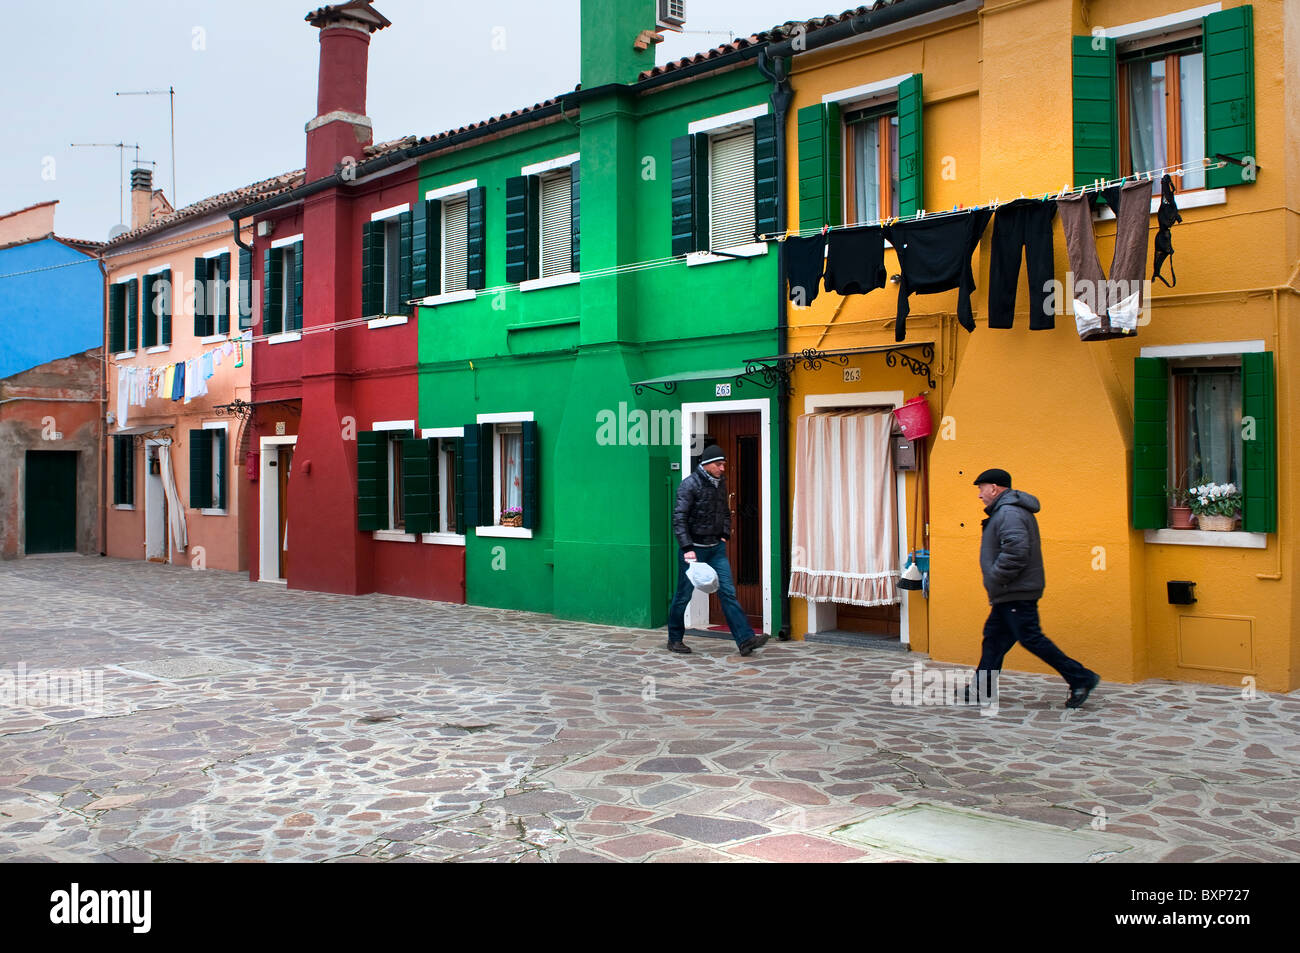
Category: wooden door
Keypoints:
(51, 501)
(284, 463)
(741, 439)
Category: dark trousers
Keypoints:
(1022, 224)
(715, 556)
(1012, 622)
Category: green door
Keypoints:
(51, 501)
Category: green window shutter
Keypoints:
(833, 163)
(297, 287)
(1150, 442)
(420, 484)
(700, 190)
(149, 331)
(519, 242)
(245, 289)
(133, 314)
(911, 157)
(476, 264)
(421, 216)
(531, 491)
(1229, 48)
(765, 175)
(223, 294)
(469, 481)
(812, 167)
(574, 188)
(683, 203)
(200, 469)
(202, 298)
(165, 319)
(117, 318)
(1096, 112)
(372, 269)
(272, 303)
(458, 443)
(372, 480)
(1259, 457)
(404, 244)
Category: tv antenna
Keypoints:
(121, 148)
(170, 91)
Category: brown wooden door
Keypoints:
(740, 437)
(284, 462)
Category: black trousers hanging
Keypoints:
(1022, 224)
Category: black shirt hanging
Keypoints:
(855, 260)
(804, 260)
(935, 256)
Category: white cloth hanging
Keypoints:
(123, 394)
(175, 511)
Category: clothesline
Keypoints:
(1100, 185)
(174, 380)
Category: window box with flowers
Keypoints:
(1216, 506)
(512, 516)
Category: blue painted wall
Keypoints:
(46, 315)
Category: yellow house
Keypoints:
(968, 105)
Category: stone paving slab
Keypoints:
(286, 725)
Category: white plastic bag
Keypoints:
(702, 576)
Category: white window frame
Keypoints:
(563, 278)
(392, 535)
(223, 426)
(442, 193)
(716, 126)
(446, 502)
(496, 529)
(215, 337)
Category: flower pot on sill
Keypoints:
(1217, 524)
(1180, 517)
(512, 520)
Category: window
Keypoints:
(448, 248)
(1162, 110)
(871, 164)
(396, 516)
(282, 286)
(123, 323)
(731, 189)
(156, 322)
(455, 245)
(1205, 421)
(542, 221)
(724, 183)
(448, 483)
(508, 450)
(123, 471)
(393, 493)
(208, 468)
(499, 486)
(386, 251)
(212, 295)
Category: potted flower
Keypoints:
(1180, 512)
(512, 516)
(1216, 506)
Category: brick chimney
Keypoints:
(141, 197)
(341, 127)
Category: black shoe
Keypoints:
(755, 642)
(1079, 694)
(681, 648)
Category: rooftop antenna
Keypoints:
(170, 91)
(121, 148)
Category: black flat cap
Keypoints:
(996, 477)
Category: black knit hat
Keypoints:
(996, 477)
(712, 454)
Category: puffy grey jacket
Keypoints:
(1011, 553)
(701, 516)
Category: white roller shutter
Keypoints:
(731, 189)
(455, 244)
(557, 239)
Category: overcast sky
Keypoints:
(245, 79)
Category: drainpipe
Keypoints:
(103, 416)
(777, 71)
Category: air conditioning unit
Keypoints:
(672, 15)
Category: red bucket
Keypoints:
(914, 418)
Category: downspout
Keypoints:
(241, 526)
(103, 415)
(778, 72)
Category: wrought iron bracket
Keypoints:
(921, 368)
(236, 408)
(669, 387)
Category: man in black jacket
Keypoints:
(1011, 559)
(702, 524)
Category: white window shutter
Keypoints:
(557, 253)
(455, 244)
(731, 189)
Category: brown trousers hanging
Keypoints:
(1106, 309)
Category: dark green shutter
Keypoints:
(1259, 457)
(424, 243)
(119, 478)
(168, 292)
(518, 233)
(420, 485)
(1150, 442)
(372, 269)
(200, 469)
(297, 286)
(764, 175)
(202, 298)
(683, 204)
(700, 190)
(404, 242)
(372, 480)
(245, 289)
(458, 443)
(219, 456)
(476, 244)
(574, 189)
(133, 314)
(149, 331)
(467, 486)
(1096, 115)
(272, 301)
(1229, 48)
(911, 157)
(223, 294)
(117, 318)
(532, 493)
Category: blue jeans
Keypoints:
(715, 556)
(1012, 622)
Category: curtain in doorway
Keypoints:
(845, 529)
(175, 512)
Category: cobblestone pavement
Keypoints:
(242, 721)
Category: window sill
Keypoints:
(284, 338)
(505, 532)
(553, 281)
(450, 297)
(443, 539)
(393, 536)
(124, 355)
(752, 250)
(158, 349)
(387, 321)
(212, 339)
(1198, 199)
(124, 506)
(1201, 537)
(214, 512)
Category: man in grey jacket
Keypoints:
(1011, 559)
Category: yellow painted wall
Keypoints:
(1054, 411)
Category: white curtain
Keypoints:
(175, 512)
(845, 529)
